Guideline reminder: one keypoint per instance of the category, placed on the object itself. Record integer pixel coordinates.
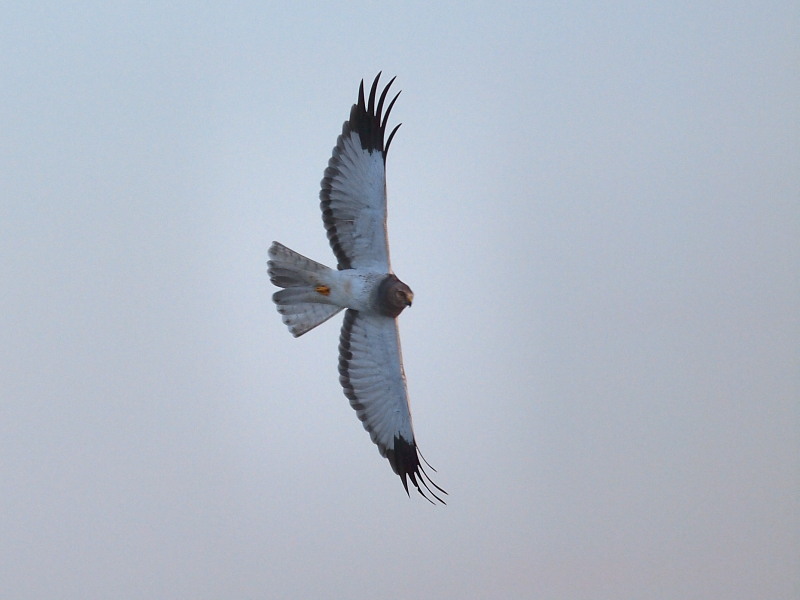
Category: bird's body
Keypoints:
(353, 203)
(359, 289)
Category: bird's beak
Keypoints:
(409, 299)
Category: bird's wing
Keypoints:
(353, 194)
(371, 373)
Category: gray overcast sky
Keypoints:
(597, 206)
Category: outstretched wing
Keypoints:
(353, 194)
(371, 373)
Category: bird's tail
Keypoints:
(299, 303)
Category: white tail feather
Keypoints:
(299, 304)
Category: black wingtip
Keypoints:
(368, 118)
(405, 461)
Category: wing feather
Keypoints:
(353, 188)
(371, 374)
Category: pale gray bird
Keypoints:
(353, 203)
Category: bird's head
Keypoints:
(394, 296)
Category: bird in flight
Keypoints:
(353, 203)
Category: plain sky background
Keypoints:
(597, 206)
